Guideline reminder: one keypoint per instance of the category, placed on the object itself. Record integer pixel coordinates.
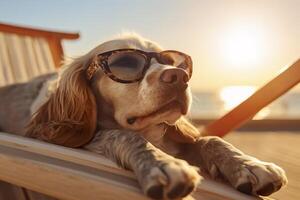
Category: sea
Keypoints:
(212, 105)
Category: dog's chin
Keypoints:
(168, 113)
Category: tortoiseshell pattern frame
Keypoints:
(101, 61)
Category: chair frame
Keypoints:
(53, 38)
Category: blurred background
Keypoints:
(236, 46)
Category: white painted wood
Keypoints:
(23, 57)
(48, 62)
(48, 168)
(32, 63)
(16, 58)
(62, 179)
(6, 71)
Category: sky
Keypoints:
(232, 42)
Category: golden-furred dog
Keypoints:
(126, 100)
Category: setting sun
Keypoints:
(242, 45)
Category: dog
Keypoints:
(127, 99)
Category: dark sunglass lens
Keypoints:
(126, 65)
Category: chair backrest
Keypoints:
(28, 52)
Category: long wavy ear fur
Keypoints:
(68, 118)
(183, 131)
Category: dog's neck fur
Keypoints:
(105, 120)
(105, 115)
(154, 134)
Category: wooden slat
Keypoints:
(56, 50)
(48, 56)
(48, 168)
(62, 179)
(21, 30)
(251, 106)
(24, 57)
(6, 60)
(17, 58)
(43, 58)
(53, 38)
(31, 62)
(77, 156)
(6, 72)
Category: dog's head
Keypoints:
(162, 94)
(156, 94)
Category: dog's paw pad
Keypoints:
(176, 191)
(266, 190)
(155, 192)
(259, 178)
(245, 188)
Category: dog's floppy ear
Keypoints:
(183, 131)
(68, 118)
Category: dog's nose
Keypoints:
(174, 76)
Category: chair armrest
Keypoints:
(67, 173)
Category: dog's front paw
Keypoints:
(170, 180)
(259, 178)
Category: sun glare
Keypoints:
(234, 95)
(242, 46)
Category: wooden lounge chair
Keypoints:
(27, 52)
(32, 169)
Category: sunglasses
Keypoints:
(131, 65)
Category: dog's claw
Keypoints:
(245, 188)
(170, 180)
(155, 192)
